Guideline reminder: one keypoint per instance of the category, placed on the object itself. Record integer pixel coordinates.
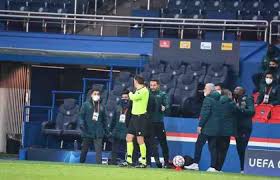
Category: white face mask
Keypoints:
(205, 94)
(268, 81)
(95, 98)
(219, 91)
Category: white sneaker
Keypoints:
(193, 166)
(241, 172)
(212, 170)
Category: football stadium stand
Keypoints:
(53, 51)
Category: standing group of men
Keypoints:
(223, 114)
(139, 122)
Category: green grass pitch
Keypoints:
(27, 170)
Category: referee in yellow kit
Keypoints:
(138, 123)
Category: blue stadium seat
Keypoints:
(217, 35)
(175, 67)
(172, 31)
(253, 6)
(166, 80)
(252, 16)
(196, 5)
(272, 7)
(66, 119)
(188, 85)
(155, 67)
(272, 15)
(235, 6)
(196, 70)
(38, 6)
(214, 5)
(146, 75)
(176, 4)
(148, 32)
(216, 73)
(115, 94)
(18, 5)
(173, 13)
(123, 79)
(193, 14)
(184, 93)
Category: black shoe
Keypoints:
(141, 166)
(167, 166)
(125, 164)
(158, 164)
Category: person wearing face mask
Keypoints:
(156, 114)
(259, 78)
(270, 92)
(228, 127)
(119, 125)
(245, 112)
(93, 125)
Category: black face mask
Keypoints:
(272, 68)
(124, 103)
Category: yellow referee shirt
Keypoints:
(139, 101)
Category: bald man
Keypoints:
(246, 110)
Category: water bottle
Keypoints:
(75, 145)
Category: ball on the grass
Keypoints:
(178, 161)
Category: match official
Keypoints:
(138, 123)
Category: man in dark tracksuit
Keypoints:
(246, 111)
(92, 123)
(227, 127)
(201, 140)
(269, 91)
(209, 121)
(118, 127)
(156, 114)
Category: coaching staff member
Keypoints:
(246, 111)
(92, 122)
(138, 123)
(209, 121)
(156, 115)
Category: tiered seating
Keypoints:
(166, 81)
(181, 80)
(216, 73)
(267, 113)
(66, 124)
(220, 9)
(44, 6)
(249, 10)
(56, 6)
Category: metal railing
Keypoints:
(162, 24)
(274, 30)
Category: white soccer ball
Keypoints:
(178, 161)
